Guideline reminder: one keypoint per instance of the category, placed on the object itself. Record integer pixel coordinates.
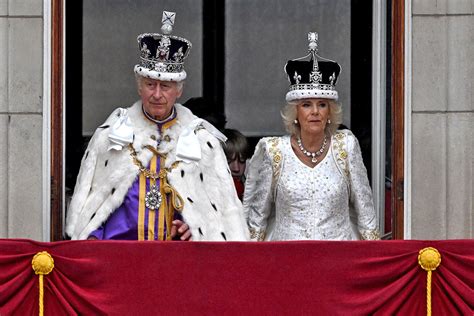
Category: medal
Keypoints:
(153, 198)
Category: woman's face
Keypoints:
(313, 115)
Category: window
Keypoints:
(100, 54)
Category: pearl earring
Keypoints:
(295, 121)
(329, 121)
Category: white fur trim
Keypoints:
(165, 76)
(109, 184)
(311, 93)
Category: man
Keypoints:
(155, 171)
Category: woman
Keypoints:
(311, 184)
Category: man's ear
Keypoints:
(139, 88)
(180, 92)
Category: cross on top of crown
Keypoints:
(168, 21)
(168, 17)
(313, 41)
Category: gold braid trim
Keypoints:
(370, 235)
(341, 153)
(42, 264)
(342, 160)
(275, 153)
(176, 200)
(276, 156)
(256, 235)
(429, 259)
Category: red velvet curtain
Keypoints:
(235, 278)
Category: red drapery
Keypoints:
(234, 278)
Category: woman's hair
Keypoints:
(236, 144)
(289, 115)
(139, 79)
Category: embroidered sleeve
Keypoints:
(258, 196)
(362, 205)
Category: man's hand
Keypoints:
(180, 229)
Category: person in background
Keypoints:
(311, 184)
(207, 110)
(236, 149)
(155, 171)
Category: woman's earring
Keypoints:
(295, 121)
(329, 121)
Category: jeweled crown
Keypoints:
(313, 78)
(162, 55)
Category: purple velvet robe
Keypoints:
(123, 223)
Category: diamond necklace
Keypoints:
(316, 154)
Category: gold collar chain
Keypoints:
(176, 200)
(147, 172)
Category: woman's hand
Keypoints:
(180, 229)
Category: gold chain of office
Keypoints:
(147, 172)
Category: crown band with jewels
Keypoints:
(305, 91)
(162, 55)
(314, 78)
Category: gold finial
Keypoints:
(42, 263)
(429, 258)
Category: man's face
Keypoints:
(158, 97)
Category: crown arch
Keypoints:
(214, 84)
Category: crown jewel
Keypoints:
(313, 78)
(162, 55)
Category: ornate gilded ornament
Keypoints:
(370, 235)
(429, 258)
(257, 235)
(341, 153)
(276, 156)
(153, 198)
(42, 263)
